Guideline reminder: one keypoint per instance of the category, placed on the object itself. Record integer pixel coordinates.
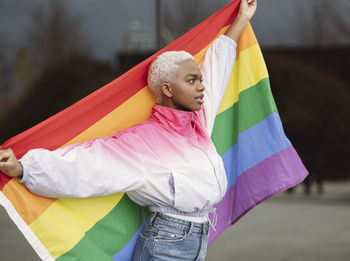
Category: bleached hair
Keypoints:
(163, 69)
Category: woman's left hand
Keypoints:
(247, 8)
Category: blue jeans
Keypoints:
(166, 238)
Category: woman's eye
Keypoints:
(201, 80)
(192, 80)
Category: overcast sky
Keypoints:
(276, 23)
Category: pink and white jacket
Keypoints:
(168, 163)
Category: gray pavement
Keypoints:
(287, 227)
(291, 228)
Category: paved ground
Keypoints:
(284, 228)
(291, 228)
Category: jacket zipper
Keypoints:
(216, 177)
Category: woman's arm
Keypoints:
(97, 167)
(218, 62)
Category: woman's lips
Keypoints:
(199, 99)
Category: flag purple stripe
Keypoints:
(265, 139)
(277, 173)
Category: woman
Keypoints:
(179, 174)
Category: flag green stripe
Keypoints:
(110, 234)
(254, 105)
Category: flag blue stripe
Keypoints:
(265, 139)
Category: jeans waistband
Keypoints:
(162, 219)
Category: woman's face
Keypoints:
(187, 88)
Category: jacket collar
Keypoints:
(176, 120)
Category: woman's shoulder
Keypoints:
(137, 129)
(136, 135)
(137, 138)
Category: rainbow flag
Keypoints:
(259, 160)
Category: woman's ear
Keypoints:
(167, 90)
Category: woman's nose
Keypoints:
(201, 87)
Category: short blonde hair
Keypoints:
(163, 69)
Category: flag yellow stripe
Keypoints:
(248, 70)
(68, 219)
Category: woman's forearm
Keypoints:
(237, 27)
(97, 167)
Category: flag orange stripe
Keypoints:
(246, 40)
(27, 204)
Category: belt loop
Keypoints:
(152, 218)
(191, 228)
(205, 228)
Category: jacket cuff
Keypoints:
(24, 177)
(228, 40)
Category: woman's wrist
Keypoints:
(237, 27)
(21, 171)
(241, 21)
(242, 18)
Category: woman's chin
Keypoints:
(197, 107)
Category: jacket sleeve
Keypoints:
(216, 69)
(98, 167)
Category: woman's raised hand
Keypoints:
(246, 11)
(9, 164)
(248, 8)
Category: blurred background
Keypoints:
(55, 52)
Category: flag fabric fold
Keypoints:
(259, 159)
